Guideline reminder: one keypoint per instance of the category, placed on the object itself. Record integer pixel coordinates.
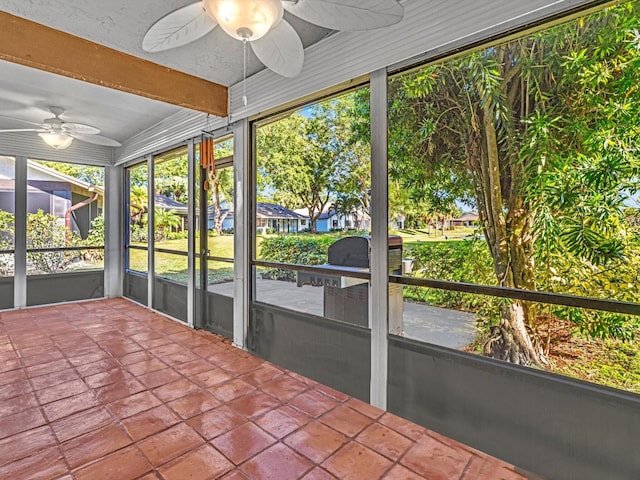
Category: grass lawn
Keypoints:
(174, 267)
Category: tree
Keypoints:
(86, 173)
(490, 123)
(163, 219)
(306, 158)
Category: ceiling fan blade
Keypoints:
(80, 128)
(347, 15)
(280, 50)
(7, 130)
(96, 139)
(182, 26)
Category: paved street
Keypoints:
(440, 326)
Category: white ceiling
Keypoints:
(26, 93)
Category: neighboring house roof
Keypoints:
(327, 215)
(162, 201)
(63, 177)
(467, 217)
(272, 210)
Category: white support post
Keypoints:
(113, 235)
(191, 233)
(20, 238)
(151, 188)
(379, 286)
(242, 234)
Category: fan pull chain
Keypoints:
(244, 72)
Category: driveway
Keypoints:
(440, 326)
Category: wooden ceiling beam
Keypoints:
(34, 45)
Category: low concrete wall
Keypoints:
(218, 313)
(171, 298)
(554, 426)
(333, 353)
(64, 287)
(6, 292)
(136, 287)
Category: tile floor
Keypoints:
(110, 390)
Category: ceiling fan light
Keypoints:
(59, 141)
(245, 19)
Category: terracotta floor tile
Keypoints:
(398, 472)
(25, 444)
(60, 391)
(384, 441)
(116, 391)
(133, 404)
(55, 378)
(355, 462)
(109, 377)
(21, 422)
(159, 377)
(205, 463)
(174, 390)
(316, 441)
(232, 389)
(125, 464)
(12, 376)
(44, 465)
(45, 368)
(178, 358)
(318, 474)
(150, 422)
(435, 460)
(211, 378)
(97, 367)
(346, 420)
(490, 469)
(216, 422)
(365, 408)
(146, 366)
(274, 424)
(9, 365)
(278, 462)
(194, 367)
(235, 475)
(254, 404)
(14, 389)
(284, 387)
(193, 404)
(242, 366)
(91, 446)
(136, 357)
(405, 427)
(313, 403)
(81, 423)
(68, 406)
(243, 442)
(171, 443)
(42, 358)
(335, 394)
(17, 404)
(166, 348)
(262, 375)
(282, 421)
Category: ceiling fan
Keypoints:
(260, 23)
(59, 134)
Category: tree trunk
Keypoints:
(509, 238)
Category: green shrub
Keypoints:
(296, 249)
(467, 261)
